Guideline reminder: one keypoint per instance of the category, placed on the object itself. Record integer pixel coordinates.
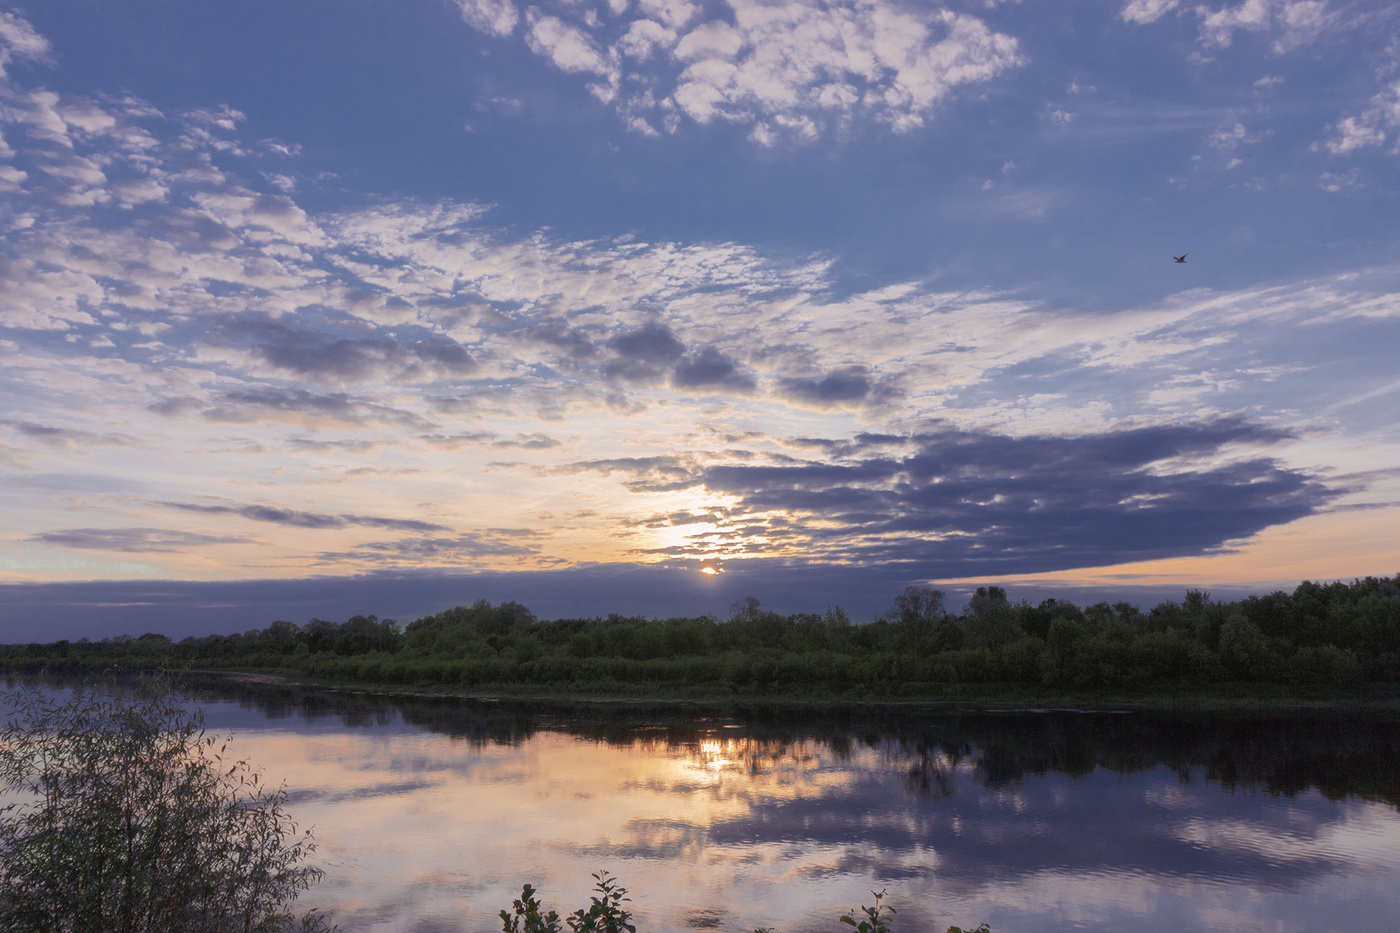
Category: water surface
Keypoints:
(430, 814)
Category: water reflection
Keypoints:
(432, 812)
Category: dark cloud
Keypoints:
(965, 503)
(175, 405)
(497, 543)
(711, 369)
(299, 519)
(849, 385)
(571, 341)
(344, 359)
(316, 444)
(448, 355)
(257, 404)
(66, 437)
(652, 341)
(98, 608)
(130, 539)
(843, 448)
(650, 354)
(644, 354)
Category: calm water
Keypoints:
(429, 815)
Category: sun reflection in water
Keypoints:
(419, 831)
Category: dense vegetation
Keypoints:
(120, 815)
(1319, 638)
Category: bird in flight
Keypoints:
(1181, 258)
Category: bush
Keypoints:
(122, 816)
(605, 914)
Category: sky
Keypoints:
(647, 305)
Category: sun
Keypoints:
(696, 526)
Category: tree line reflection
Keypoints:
(1340, 754)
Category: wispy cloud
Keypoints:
(453, 550)
(296, 518)
(131, 540)
(52, 436)
(274, 404)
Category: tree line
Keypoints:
(1320, 637)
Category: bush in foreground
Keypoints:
(121, 816)
(605, 914)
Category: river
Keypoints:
(429, 814)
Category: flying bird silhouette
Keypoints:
(1181, 258)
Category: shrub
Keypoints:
(607, 915)
(123, 816)
(604, 915)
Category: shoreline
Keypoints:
(955, 700)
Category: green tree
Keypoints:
(122, 816)
(991, 620)
(1243, 649)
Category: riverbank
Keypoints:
(1226, 699)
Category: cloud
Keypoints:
(847, 385)
(1146, 11)
(406, 301)
(295, 518)
(573, 51)
(711, 369)
(19, 41)
(298, 406)
(644, 354)
(652, 341)
(1369, 128)
(196, 289)
(33, 297)
(965, 502)
(660, 473)
(221, 118)
(648, 353)
(320, 356)
(1291, 23)
(787, 70)
(456, 549)
(494, 17)
(134, 540)
(67, 437)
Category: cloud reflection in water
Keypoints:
(722, 826)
